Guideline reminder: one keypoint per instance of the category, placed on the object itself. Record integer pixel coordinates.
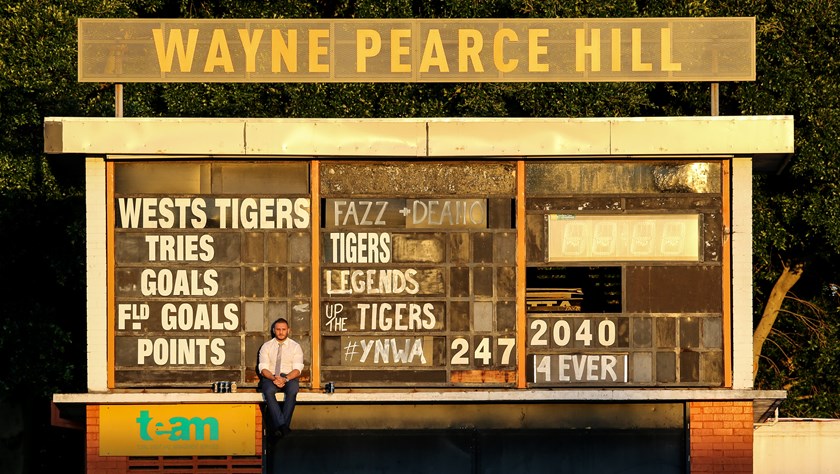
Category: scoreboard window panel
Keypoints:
(207, 254)
(418, 273)
(624, 273)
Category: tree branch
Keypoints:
(790, 275)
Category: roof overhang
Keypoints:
(766, 139)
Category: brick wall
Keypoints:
(95, 462)
(721, 437)
(258, 424)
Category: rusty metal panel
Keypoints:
(567, 178)
(417, 179)
(171, 377)
(683, 289)
(483, 376)
(535, 238)
(576, 203)
(376, 377)
(419, 248)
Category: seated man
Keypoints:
(280, 365)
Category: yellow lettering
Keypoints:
(616, 49)
(582, 49)
(285, 51)
(250, 45)
(499, 50)
(176, 44)
(363, 51)
(636, 43)
(316, 50)
(433, 53)
(535, 50)
(218, 54)
(667, 65)
(398, 50)
(470, 43)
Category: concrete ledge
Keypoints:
(435, 397)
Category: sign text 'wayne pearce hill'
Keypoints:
(417, 50)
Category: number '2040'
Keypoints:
(562, 332)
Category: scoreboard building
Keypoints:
(484, 295)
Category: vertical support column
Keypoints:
(715, 95)
(742, 268)
(521, 329)
(109, 305)
(726, 277)
(97, 275)
(721, 437)
(118, 100)
(315, 305)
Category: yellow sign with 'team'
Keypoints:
(177, 430)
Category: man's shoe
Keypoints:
(278, 434)
(285, 430)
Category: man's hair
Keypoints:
(278, 320)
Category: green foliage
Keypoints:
(796, 212)
(801, 357)
(41, 338)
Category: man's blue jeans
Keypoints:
(280, 416)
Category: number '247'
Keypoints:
(484, 350)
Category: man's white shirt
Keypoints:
(292, 356)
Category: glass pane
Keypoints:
(155, 177)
